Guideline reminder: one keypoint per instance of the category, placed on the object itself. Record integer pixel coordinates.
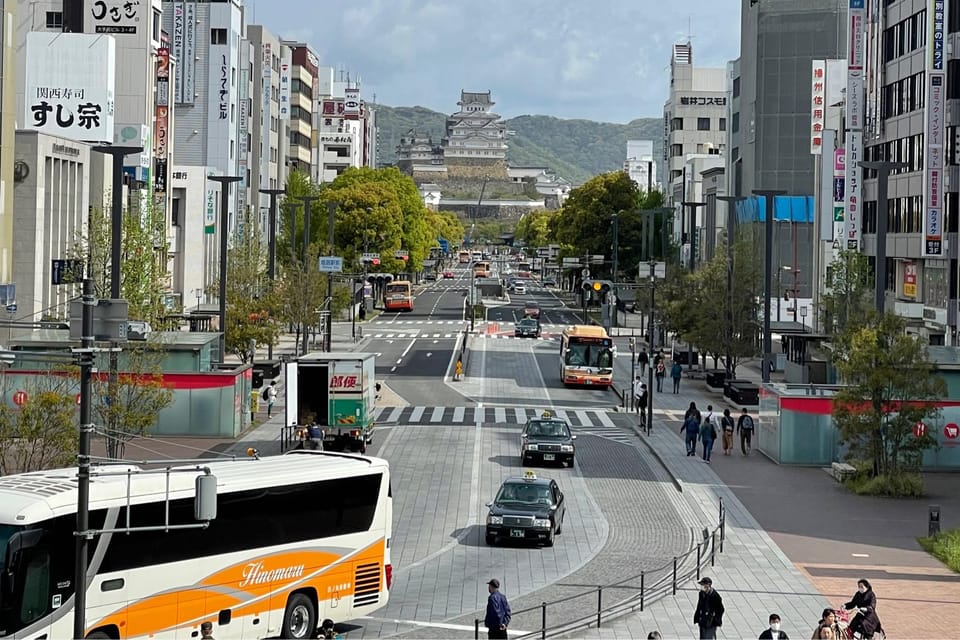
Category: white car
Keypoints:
(521, 289)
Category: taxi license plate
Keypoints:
(588, 382)
(516, 533)
(549, 456)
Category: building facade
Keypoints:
(7, 127)
(640, 164)
(51, 204)
(903, 124)
(299, 86)
(346, 126)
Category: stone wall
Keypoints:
(476, 168)
(489, 211)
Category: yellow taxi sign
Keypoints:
(596, 286)
(529, 475)
(546, 414)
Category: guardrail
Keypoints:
(647, 587)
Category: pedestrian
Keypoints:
(643, 360)
(864, 601)
(709, 613)
(642, 404)
(661, 372)
(691, 428)
(727, 427)
(745, 430)
(828, 628)
(654, 635)
(774, 632)
(206, 630)
(708, 435)
(498, 611)
(363, 312)
(637, 388)
(658, 357)
(676, 372)
(270, 396)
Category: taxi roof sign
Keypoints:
(546, 414)
(529, 475)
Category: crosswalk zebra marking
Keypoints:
(417, 414)
(395, 414)
(437, 414)
(458, 414)
(499, 414)
(521, 415)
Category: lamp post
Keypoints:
(731, 233)
(883, 170)
(769, 196)
(198, 293)
(116, 210)
(306, 200)
(332, 212)
(692, 206)
(272, 234)
(224, 182)
(616, 259)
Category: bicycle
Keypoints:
(843, 620)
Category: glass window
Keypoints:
(54, 20)
(157, 19)
(703, 124)
(218, 36)
(736, 87)
(676, 124)
(35, 589)
(735, 123)
(723, 124)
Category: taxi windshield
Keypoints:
(548, 429)
(524, 493)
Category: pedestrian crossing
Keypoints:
(381, 322)
(612, 426)
(502, 336)
(416, 334)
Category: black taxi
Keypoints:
(547, 439)
(526, 509)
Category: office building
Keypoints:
(911, 86)
(346, 126)
(7, 126)
(299, 88)
(640, 164)
(209, 107)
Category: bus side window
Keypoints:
(36, 587)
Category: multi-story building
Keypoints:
(268, 132)
(640, 164)
(209, 106)
(911, 118)
(7, 120)
(346, 127)
(298, 88)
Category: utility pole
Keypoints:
(731, 238)
(332, 211)
(85, 356)
(224, 182)
(616, 259)
(769, 196)
(883, 170)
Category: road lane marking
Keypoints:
(458, 414)
(437, 415)
(521, 415)
(395, 414)
(499, 414)
(605, 419)
(417, 414)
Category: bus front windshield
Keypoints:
(579, 354)
(398, 288)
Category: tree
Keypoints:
(42, 434)
(250, 303)
(725, 324)
(446, 225)
(533, 229)
(300, 293)
(290, 236)
(890, 386)
(143, 254)
(135, 400)
(847, 301)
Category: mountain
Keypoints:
(574, 149)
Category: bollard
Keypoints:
(599, 604)
(674, 575)
(698, 560)
(713, 547)
(933, 520)
(543, 620)
(642, 588)
(476, 629)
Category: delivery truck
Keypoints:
(336, 392)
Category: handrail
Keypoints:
(674, 572)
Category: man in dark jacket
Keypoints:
(498, 611)
(773, 632)
(709, 613)
(691, 431)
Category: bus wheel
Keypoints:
(98, 635)
(300, 617)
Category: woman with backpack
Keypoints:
(727, 426)
(270, 396)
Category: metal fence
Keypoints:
(554, 617)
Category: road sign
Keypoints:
(331, 264)
(401, 254)
(12, 307)
(20, 398)
(659, 270)
(597, 259)
(919, 430)
(571, 262)
(370, 257)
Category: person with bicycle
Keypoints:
(865, 623)
(828, 628)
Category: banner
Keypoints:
(285, 64)
(910, 280)
(818, 107)
(210, 215)
(856, 16)
(839, 196)
(177, 51)
(934, 128)
(188, 62)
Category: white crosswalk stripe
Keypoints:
(595, 422)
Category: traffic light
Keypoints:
(601, 287)
(375, 262)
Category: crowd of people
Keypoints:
(707, 428)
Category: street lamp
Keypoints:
(616, 259)
(198, 293)
(224, 182)
(332, 212)
(883, 170)
(731, 233)
(272, 235)
(769, 196)
(692, 206)
(116, 211)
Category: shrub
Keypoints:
(901, 485)
(945, 547)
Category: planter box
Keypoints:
(747, 394)
(716, 378)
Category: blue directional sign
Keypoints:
(331, 264)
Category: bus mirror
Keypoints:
(205, 501)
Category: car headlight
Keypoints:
(566, 448)
(543, 523)
(494, 520)
(530, 447)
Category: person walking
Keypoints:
(828, 628)
(727, 427)
(676, 372)
(864, 602)
(270, 395)
(745, 431)
(773, 632)
(709, 613)
(643, 359)
(206, 630)
(498, 611)
(660, 372)
(691, 428)
(708, 435)
(637, 388)
(642, 400)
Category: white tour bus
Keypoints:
(297, 538)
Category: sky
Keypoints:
(606, 60)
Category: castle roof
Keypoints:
(471, 97)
